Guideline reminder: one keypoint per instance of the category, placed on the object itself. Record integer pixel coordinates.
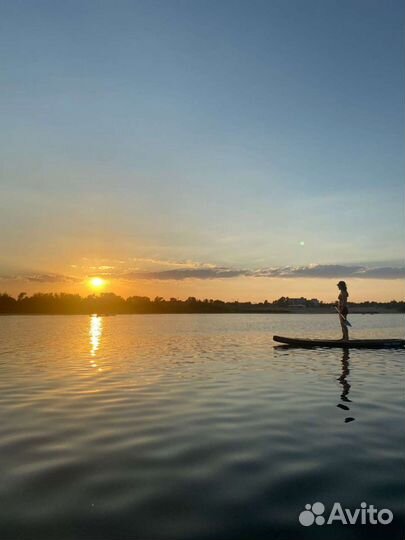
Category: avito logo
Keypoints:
(365, 515)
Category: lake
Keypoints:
(173, 427)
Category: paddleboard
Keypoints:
(342, 344)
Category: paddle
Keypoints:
(342, 317)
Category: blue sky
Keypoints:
(238, 134)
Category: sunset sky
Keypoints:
(223, 149)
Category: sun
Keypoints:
(97, 282)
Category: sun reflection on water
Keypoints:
(95, 333)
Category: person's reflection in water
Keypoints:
(345, 384)
(343, 378)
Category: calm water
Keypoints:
(194, 426)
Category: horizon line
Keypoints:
(160, 299)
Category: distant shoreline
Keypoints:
(112, 304)
(250, 312)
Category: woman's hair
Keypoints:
(342, 285)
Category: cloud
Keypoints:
(320, 271)
(187, 273)
(207, 272)
(51, 278)
(337, 271)
(313, 270)
(118, 268)
(171, 263)
(42, 278)
(384, 272)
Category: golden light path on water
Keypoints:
(95, 333)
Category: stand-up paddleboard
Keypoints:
(342, 344)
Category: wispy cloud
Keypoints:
(209, 272)
(384, 272)
(187, 273)
(111, 267)
(313, 270)
(335, 271)
(319, 271)
(41, 278)
(171, 263)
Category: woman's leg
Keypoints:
(345, 330)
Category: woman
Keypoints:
(342, 307)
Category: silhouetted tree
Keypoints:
(110, 303)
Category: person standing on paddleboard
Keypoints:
(343, 309)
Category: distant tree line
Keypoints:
(110, 303)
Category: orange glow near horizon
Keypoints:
(254, 289)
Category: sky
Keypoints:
(223, 149)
